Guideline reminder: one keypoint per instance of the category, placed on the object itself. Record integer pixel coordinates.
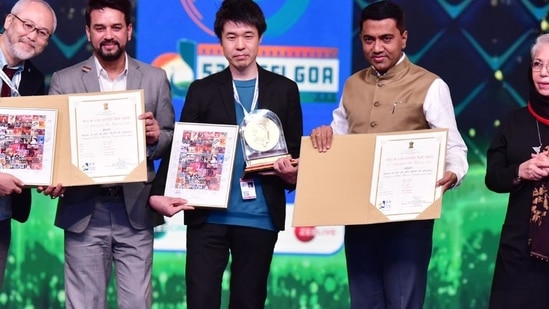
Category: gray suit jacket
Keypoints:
(76, 207)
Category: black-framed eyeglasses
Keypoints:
(538, 65)
(30, 27)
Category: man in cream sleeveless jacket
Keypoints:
(387, 263)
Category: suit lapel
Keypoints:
(134, 75)
(264, 81)
(89, 76)
(31, 81)
(227, 96)
(91, 82)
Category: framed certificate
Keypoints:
(201, 163)
(107, 138)
(27, 144)
(405, 171)
(390, 177)
(88, 138)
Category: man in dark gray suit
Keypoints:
(105, 224)
(27, 29)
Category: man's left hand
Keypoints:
(448, 181)
(168, 206)
(285, 169)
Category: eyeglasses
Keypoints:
(538, 65)
(28, 26)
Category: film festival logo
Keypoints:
(314, 69)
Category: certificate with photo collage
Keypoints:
(201, 163)
(27, 143)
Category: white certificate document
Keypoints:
(201, 163)
(405, 171)
(27, 144)
(107, 138)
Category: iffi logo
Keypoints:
(280, 15)
(180, 67)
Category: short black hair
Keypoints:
(383, 10)
(124, 6)
(240, 12)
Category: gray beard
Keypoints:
(19, 53)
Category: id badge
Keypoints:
(247, 188)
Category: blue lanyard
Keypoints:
(254, 100)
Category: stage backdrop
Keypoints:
(480, 48)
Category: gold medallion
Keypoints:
(261, 134)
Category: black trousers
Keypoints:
(5, 239)
(208, 250)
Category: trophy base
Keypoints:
(264, 165)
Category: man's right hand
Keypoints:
(10, 184)
(321, 137)
(52, 191)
